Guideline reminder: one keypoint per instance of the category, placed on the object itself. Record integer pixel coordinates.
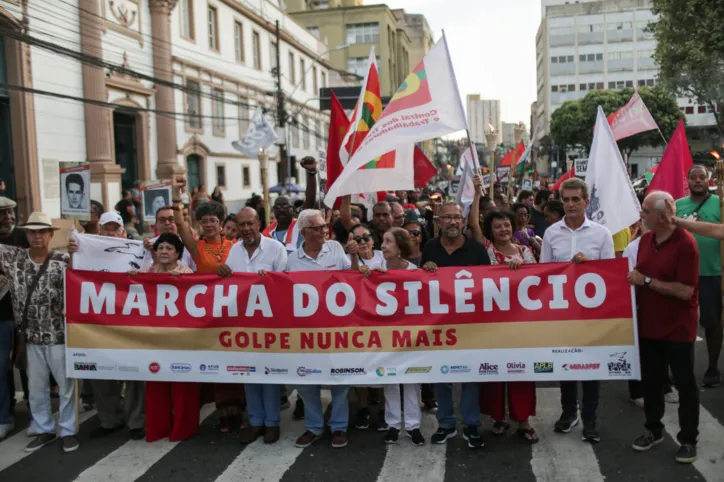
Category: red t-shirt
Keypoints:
(664, 317)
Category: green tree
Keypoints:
(572, 124)
(690, 50)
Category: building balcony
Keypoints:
(558, 40)
(591, 38)
(646, 63)
(588, 67)
(620, 64)
(641, 34)
(561, 97)
(567, 68)
(620, 35)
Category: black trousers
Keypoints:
(656, 358)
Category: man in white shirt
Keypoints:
(577, 239)
(257, 254)
(165, 224)
(318, 254)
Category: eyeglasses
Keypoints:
(209, 221)
(282, 207)
(318, 229)
(169, 219)
(451, 219)
(362, 239)
(415, 232)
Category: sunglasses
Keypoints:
(414, 232)
(318, 229)
(362, 239)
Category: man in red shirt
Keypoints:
(667, 281)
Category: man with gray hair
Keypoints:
(319, 254)
(666, 278)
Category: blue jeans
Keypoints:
(6, 344)
(469, 405)
(569, 399)
(313, 414)
(263, 404)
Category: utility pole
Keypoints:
(281, 113)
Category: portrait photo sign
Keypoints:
(155, 195)
(75, 190)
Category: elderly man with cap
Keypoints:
(36, 278)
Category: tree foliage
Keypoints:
(690, 50)
(572, 124)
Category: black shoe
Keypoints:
(416, 436)
(103, 431)
(566, 422)
(686, 454)
(430, 406)
(442, 434)
(647, 441)
(393, 436)
(712, 378)
(298, 413)
(472, 436)
(362, 420)
(138, 433)
(590, 434)
(382, 426)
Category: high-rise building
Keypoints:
(419, 31)
(482, 113)
(509, 134)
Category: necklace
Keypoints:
(218, 253)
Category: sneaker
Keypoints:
(393, 436)
(686, 454)
(472, 436)
(70, 444)
(306, 439)
(85, 407)
(639, 402)
(443, 434)
(416, 436)
(382, 426)
(430, 406)
(712, 378)
(647, 441)
(271, 435)
(362, 420)
(672, 396)
(251, 434)
(298, 413)
(339, 439)
(30, 432)
(40, 441)
(590, 434)
(566, 422)
(138, 433)
(5, 429)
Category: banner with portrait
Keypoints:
(155, 195)
(75, 190)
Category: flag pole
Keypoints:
(473, 152)
(662, 135)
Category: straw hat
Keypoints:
(38, 221)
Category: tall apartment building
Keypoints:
(481, 113)
(509, 134)
(419, 31)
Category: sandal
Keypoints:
(224, 423)
(500, 427)
(528, 434)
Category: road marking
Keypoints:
(710, 461)
(560, 457)
(260, 461)
(12, 449)
(132, 459)
(405, 461)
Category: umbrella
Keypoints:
(286, 188)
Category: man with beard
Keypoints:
(452, 248)
(257, 254)
(703, 207)
(381, 221)
(165, 223)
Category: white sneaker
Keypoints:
(5, 429)
(672, 396)
(639, 402)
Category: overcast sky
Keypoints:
(492, 43)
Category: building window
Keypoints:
(358, 65)
(221, 175)
(213, 20)
(650, 82)
(596, 27)
(315, 83)
(314, 31)
(619, 84)
(562, 59)
(305, 132)
(193, 103)
(620, 26)
(273, 55)
(303, 73)
(554, 88)
(599, 85)
(562, 31)
(701, 109)
(318, 133)
(629, 83)
(363, 33)
(645, 54)
(689, 109)
(582, 87)
(292, 70)
(218, 112)
(256, 49)
(295, 133)
(324, 80)
(239, 41)
(187, 19)
(246, 176)
(620, 55)
(244, 117)
(590, 57)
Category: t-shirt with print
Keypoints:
(18, 239)
(709, 248)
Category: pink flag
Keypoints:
(631, 119)
(674, 166)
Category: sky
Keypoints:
(492, 44)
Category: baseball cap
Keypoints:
(111, 217)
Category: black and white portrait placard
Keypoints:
(75, 190)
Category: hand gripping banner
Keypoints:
(542, 322)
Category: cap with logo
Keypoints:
(111, 217)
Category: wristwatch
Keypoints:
(647, 281)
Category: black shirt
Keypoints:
(538, 220)
(471, 253)
(18, 239)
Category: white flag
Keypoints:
(613, 200)
(105, 253)
(260, 135)
(469, 166)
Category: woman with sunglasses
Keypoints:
(523, 235)
(414, 229)
(362, 244)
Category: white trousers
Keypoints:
(393, 410)
(42, 361)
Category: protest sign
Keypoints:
(105, 253)
(75, 190)
(155, 195)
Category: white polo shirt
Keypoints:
(185, 258)
(270, 255)
(376, 260)
(632, 251)
(561, 243)
(331, 258)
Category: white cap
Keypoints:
(111, 217)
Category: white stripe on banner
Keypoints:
(560, 457)
(132, 459)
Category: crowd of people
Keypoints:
(677, 278)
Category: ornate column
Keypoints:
(168, 166)
(105, 174)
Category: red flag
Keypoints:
(631, 119)
(508, 158)
(424, 169)
(674, 166)
(569, 175)
(338, 127)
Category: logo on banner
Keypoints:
(275, 371)
(567, 350)
(154, 367)
(180, 367)
(389, 371)
(240, 370)
(303, 371)
(128, 369)
(414, 92)
(516, 367)
(86, 367)
(454, 369)
(620, 367)
(79, 354)
(543, 367)
(488, 369)
(581, 366)
(415, 370)
(347, 371)
(208, 368)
